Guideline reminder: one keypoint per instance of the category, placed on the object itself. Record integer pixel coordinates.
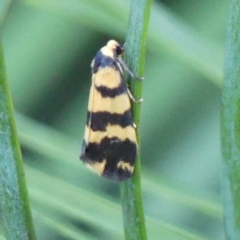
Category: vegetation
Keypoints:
(48, 47)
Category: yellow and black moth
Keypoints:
(110, 144)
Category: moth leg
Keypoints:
(133, 98)
(125, 67)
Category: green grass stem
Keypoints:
(15, 207)
(230, 126)
(131, 196)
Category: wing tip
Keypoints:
(119, 174)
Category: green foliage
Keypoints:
(230, 126)
(48, 47)
(15, 209)
(131, 193)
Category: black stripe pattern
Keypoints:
(119, 155)
(102, 61)
(112, 92)
(113, 150)
(98, 121)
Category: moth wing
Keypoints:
(110, 144)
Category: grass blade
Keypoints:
(134, 222)
(13, 193)
(230, 126)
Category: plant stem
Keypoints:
(230, 126)
(13, 193)
(131, 196)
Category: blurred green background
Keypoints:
(49, 45)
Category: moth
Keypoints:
(110, 145)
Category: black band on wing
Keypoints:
(112, 92)
(102, 61)
(120, 151)
(98, 121)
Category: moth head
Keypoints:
(115, 47)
